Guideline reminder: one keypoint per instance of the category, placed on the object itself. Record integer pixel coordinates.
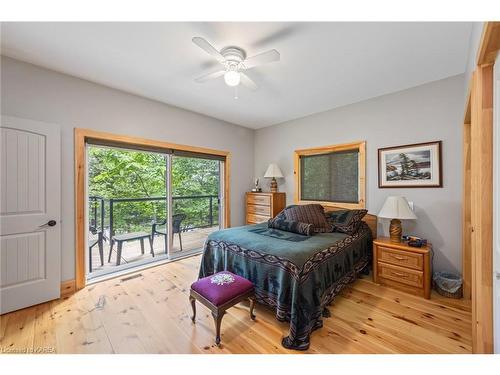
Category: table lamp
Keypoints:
(273, 171)
(396, 209)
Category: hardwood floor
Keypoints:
(148, 312)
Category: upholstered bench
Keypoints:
(219, 292)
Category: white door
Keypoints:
(30, 210)
(496, 210)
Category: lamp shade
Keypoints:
(396, 208)
(273, 171)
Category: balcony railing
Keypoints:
(121, 215)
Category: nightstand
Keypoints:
(402, 267)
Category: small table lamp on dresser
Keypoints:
(273, 171)
(396, 209)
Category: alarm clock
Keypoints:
(417, 243)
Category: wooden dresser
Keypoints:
(402, 267)
(261, 207)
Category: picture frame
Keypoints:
(417, 165)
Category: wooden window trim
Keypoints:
(360, 146)
(80, 138)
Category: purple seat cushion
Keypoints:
(222, 287)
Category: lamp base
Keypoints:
(395, 230)
(274, 186)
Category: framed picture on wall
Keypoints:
(410, 166)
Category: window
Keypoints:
(331, 176)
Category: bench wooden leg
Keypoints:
(101, 252)
(110, 250)
(119, 254)
(142, 246)
(193, 306)
(217, 319)
(252, 306)
(90, 259)
(151, 245)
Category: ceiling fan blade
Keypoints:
(208, 48)
(209, 76)
(262, 58)
(246, 81)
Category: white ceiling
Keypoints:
(323, 65)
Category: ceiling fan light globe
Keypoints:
(232, 78)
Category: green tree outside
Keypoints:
(119, 173)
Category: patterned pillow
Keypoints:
(310, 214)
(345, 221)
(291, 226)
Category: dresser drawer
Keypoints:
(259, 210)
(256, 219)
(400, 258)
(401, 275)
(262, 200)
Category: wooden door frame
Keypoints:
(466, 211)
(482, 209)
(477, 221)
(81, 136)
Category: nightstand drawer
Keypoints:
(259, 210)
(401, 275)
(256, 219)
(263, 200)
(400, 258)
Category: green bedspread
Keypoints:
(296, 275)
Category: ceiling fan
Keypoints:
(234, 63)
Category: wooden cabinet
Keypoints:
(261, 207)
(402, 267)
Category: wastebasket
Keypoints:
(448, 284)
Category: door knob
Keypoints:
(49, 223)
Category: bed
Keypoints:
(296, 275)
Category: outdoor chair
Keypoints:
(176, 228)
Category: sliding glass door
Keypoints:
(126, 200)
(196, 201)
(146, 206)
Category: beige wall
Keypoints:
(35, 93)
(425, 113)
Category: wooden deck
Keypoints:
(131, 252)
(149, 313)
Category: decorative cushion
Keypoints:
(222, 287)
(346, 221)
(279, 222)
(310, 214)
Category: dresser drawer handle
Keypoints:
(398, 257)
(399, 274)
